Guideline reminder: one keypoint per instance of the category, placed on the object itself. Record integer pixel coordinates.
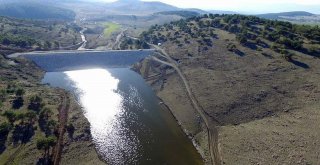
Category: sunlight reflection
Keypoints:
(103, 108)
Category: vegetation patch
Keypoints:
(110, 28)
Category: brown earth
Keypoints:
(267, 108)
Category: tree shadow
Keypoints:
(17, 103)
(311, 53)
(43, 125)
(22, 133)
(300, 64)
(251, 45)
(3, 139)
(45, 160)
(263, 44)
(2, 148)
(267, 55)
(239, 53)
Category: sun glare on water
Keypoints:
(103, 108)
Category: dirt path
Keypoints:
(117, 43)
(210, 123)
(63, 119)
(83, 38)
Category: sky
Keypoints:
(247, 6)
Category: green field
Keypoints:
(110, 28)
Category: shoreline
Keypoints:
(75, 111)
(186, 132)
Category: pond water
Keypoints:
(128, 124)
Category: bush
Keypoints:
(11, 116)
(231, 47)
(242, 39)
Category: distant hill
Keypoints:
(182, 13)
(298, 17)
(34, 10)
(285, 14)
(222, 12)
(196, 10)
(138, 7)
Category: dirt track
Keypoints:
(63, 119)
(210, 123)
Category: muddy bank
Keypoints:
(174, 97)
(79, 148)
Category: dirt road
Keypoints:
(63, 119)
(210, 122)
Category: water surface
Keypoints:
(128, 125)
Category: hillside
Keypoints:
(27, 35)
(29, 110)
(35, 10)
(257, 78)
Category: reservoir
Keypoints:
(128, 123)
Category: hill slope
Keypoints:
(138, 7)
(22, 35)
(249, 75)
(35, 10)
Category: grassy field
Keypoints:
(110, 28)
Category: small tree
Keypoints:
(45, 114)
(31, 117)
(242, 38)
(20, 92)
(45, 143)
(11, 116)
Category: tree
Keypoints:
(20, 92)
(31, 116)
(45, 114)
(45, 143)
(18, 101)
(11, 116)
(242, 38)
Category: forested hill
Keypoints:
(35, 10)
(250, 31)
(22, 35)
